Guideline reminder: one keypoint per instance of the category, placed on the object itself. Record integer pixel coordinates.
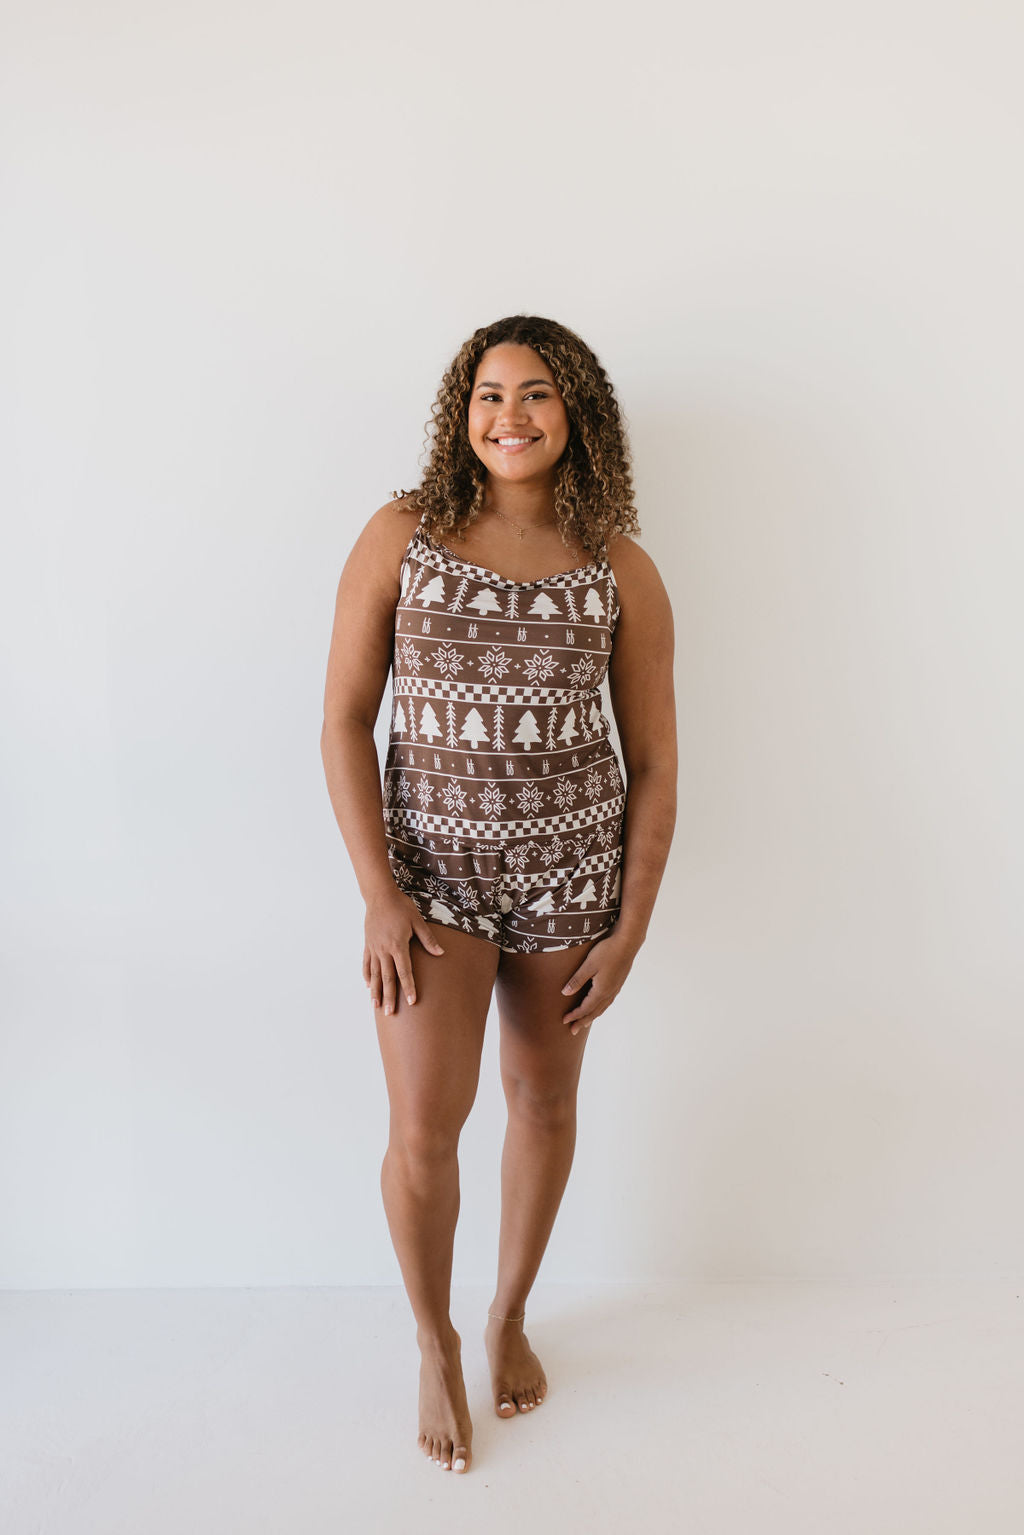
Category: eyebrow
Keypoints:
(491, 385)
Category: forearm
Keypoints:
(352, 769)
(647, 835)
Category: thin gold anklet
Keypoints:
(518, 1318)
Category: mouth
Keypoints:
(513, 444)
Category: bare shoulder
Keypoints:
(376, 555)
(636, 575)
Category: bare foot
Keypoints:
(516, 1375)
(446, 1430)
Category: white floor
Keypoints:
(734, 1407)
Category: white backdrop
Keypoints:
(240, 246)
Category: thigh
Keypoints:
(536, 1046)
(431, 1050)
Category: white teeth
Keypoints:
(508, 442)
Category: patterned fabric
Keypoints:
(503, 796)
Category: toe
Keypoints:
(524, 1405)
(446, 1454)
(460, 1458)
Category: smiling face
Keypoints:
(518, 425)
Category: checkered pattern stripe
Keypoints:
(491, 693)
(427, 824)
(432, 555)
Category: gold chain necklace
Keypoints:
(518, 526)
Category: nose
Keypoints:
(513, 413)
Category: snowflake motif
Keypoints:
(409, 656)
(454, 796)
(529, 799)
(517, 855)
(528, 946)
(594, 784)
(581, 672)
(606, 835)
(494, 664)
(447, 660)
(401, 873)
(540, 666)
(437, 886)
(491, 801)
(402, 789)
(468, 896)
(614, 779)
(424, 793)
(565, 794)
(554, 852)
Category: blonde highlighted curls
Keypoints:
(593, 490)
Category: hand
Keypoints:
(392, 921)
(599, 979)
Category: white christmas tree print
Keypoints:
(513, 608)
(587, 895)
(460, 592)
(499, 739)
(485, 602)
(543, 605)
(593, 606)
(428, 722)
(595, 717)
(488, 926)
(544, 905)
(399, 719)
(432, 592)
(573, 614)
(527, 733)
(439, 913)
(449, 715)
(568, 731)
(474, 731)
(549, 739)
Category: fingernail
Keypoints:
(566, 989)
(410, 997)
(387, 1009)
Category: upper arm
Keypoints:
(362, 639)
(640, 677)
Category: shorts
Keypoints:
(527, 895)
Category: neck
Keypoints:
(526, 504)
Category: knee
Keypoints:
(545, 1105)
(424, 1141)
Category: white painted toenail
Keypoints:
(460, 1464)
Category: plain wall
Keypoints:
(240, 246)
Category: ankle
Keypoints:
(500, 1316)
(438, 1337)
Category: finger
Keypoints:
(403, 964)
(374, 981)
(578, 979)
(388, 985)
(366, 967)
(427, 938)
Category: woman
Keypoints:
(505, 854)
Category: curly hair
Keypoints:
(593, 491)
